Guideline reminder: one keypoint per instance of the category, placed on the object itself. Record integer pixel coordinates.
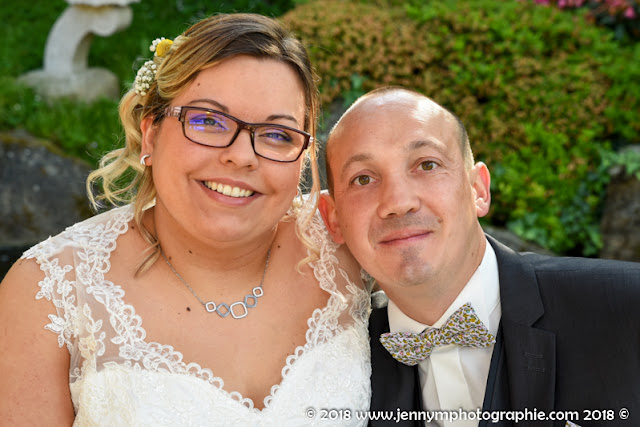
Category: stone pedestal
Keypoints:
(66, 72)
(86, 85)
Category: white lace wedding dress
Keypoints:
(117, 378)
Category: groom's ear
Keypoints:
(327, 207)
(481, 184)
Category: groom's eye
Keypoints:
(427, 165)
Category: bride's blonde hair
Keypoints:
(121, 177)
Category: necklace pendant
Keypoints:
(238, 304)
(223, 313)
(211, 306)
(250, 297)
(223, 309)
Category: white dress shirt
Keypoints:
(455, 377)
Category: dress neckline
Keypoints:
(175, 357)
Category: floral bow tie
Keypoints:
(463, 328)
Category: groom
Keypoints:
(547, 334)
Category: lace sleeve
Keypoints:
(58, 286)
(338, 272)
(72, 262)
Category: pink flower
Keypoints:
(630, 13)
(542, 1)
(562, 3)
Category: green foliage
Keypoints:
(356, 91)
(621, 16)
(26, 31)
(622, 69)
(553, 190)
(155, 18)
(82, 130)
(628, 160)
(542, 91)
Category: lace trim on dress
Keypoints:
(95, 239)
(94, 242)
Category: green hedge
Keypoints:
(543, 93)
(621, 16)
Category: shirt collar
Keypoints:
(482, 291)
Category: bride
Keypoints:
(213, 294)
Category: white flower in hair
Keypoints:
(154, 44)
(160, 46)
(147, 73)
(145, 76)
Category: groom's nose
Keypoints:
(397, 197)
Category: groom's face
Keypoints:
(403, 200)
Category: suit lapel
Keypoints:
(526, 362)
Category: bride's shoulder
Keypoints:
(100, 230)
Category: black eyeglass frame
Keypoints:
(181, 112)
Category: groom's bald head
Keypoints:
(391, 97)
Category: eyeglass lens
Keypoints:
(217, 130)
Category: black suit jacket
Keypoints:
(569, 340)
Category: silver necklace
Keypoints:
(223, 309)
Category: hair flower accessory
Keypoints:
(161, 46)
(147, 73)
(145, 76)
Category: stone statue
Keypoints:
(66, 72)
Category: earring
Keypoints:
(143, 159)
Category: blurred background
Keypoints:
(549, 91)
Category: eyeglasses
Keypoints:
(217, 129)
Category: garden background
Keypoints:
(548, 89)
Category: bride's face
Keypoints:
(184, 173)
